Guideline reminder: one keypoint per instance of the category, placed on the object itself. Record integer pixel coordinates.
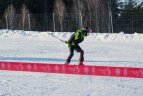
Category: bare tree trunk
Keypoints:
(59, 10)
(25, 17)
(77, 9)
(10, 13)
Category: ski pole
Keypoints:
(56, 37)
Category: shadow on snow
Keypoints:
(59, 60)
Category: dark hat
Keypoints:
(86, 29)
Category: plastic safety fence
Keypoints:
(73, 69)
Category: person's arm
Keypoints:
(69, 42)
(71, 39)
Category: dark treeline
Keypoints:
(35, 6)
(67, 15)
(129, 17)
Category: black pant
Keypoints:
(77, 49)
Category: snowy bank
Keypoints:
(20, 34)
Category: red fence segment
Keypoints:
(73, 69)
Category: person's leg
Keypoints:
(71, 49)
(81, 59)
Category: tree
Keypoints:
(10, 13)
(59, 11)
(115, 10)
(25, 17)
(131, 19)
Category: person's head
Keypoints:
(86, 30)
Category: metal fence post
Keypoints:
(54, 22)
(29, 21)
(6, 21)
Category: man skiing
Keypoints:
(73, 42)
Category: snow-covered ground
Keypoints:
(100, 49)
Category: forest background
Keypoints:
(101, 16)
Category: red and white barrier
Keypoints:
(73, 69)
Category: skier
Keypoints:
(73, 42)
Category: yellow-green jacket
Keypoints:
(77, 37)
